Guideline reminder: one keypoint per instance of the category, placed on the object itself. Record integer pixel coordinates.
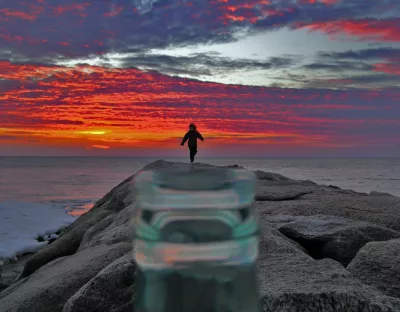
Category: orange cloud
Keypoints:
(101, 146)
(106, 108)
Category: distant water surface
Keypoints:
(80, 180)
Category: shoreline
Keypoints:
(27, 226)
(11, 268)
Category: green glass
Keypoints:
(196, 241)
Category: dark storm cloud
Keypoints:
(377, 67)
(356, 81)
(318, 15)
(372, 79)
(80, 28)
(204, 64)
(339, 66)
(366, 54)
(44, 29)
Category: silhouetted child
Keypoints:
(192, 136)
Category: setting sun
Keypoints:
(93, 132)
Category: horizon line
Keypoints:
(210, 157)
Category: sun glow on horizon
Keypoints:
(95, 132)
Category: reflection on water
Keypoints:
(77, 211)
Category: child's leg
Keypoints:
(193, 152)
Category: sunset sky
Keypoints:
(259, 78)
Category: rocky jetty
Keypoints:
(322, 249)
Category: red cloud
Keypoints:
(388, 68)
(18, 14)
(116, 108)
(114, 11)
(77, 8)
(101, 146)
(327, 2)
(363, 29)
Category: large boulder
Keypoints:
(262, 175)
(48, 289)
(11, 270)
(375, 193)
(67, 244)
(292, 281)
(381, 210)
(110, 290)
(271, 228)
(279, 193)
(115, 229)
(327, 236)
(378, 264)
(94, 230)
(276, 221)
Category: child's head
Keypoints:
(192, 127)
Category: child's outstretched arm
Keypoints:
(200, 136)
(185, 138)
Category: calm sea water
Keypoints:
(38, 195)
(80, 180)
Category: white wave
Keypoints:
(21, 223)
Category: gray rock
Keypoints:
(262, 175)
(95, 230)
(67, 244)
(235, 166)
(272, 228)
(289, 281)
(110, 290)
(374, 193)
(332, 237)
(119, 230)
(292, 281)
(380, 210)
(378, 264)
(280, 194)
(48, 289)
(277, 221)
(11, 270)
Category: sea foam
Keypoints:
(21, 223)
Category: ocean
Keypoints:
(38, 195)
